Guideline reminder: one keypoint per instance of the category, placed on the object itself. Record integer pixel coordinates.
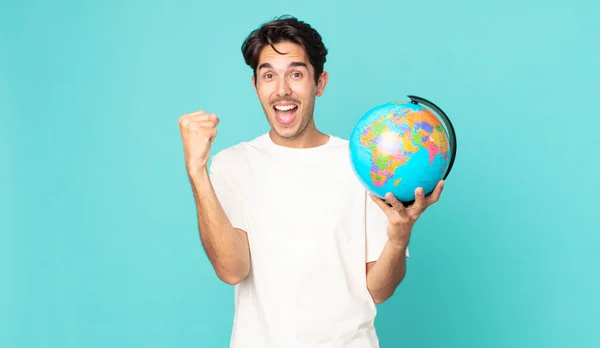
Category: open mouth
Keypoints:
(285, 113)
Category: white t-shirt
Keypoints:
(311, 228)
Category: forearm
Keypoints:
(387, 272)
(226, 248)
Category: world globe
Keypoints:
(399, 146)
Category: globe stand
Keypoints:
(451, 137)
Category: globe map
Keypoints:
(397, 147)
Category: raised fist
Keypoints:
(198, 130)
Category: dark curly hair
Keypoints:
(285, 28)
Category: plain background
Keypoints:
(99, 246)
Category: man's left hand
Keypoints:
(401, 219)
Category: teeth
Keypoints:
(284, 108)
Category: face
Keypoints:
(287, 90)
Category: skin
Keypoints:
(385, 274)
(226, 247)
(289, 79)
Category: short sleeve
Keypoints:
(376, 230)
(230, 202)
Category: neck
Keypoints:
(309, 137)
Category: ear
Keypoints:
(323, 79)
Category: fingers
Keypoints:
(394, 209)
(206, 117)
(389, 203)
(203, 117)
(435, 195)
(380, 202)
(394, 202)
(199, 112)
(420, 202)
(198, 125)
(199, 119)
(211, 133)
(202, 124)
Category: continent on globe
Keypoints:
(399, 146)
(397, 135)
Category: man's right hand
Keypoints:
(198, 131)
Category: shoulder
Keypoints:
(235, 154)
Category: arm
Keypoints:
(385, 274)
(226, 247)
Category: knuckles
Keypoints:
(408, 218)
(184, 121)
(398, 220)
(187, 121)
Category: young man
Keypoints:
(283, 217)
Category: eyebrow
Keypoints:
(292, 64)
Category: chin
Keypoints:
(285, 132)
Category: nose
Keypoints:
(283, 88)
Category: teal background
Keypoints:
(99, 246)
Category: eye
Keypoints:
(268, 76)
(296, 75)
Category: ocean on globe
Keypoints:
(399, 146)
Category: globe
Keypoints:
(399, 146)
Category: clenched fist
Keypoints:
(198, 131)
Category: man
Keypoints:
(283, 217)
